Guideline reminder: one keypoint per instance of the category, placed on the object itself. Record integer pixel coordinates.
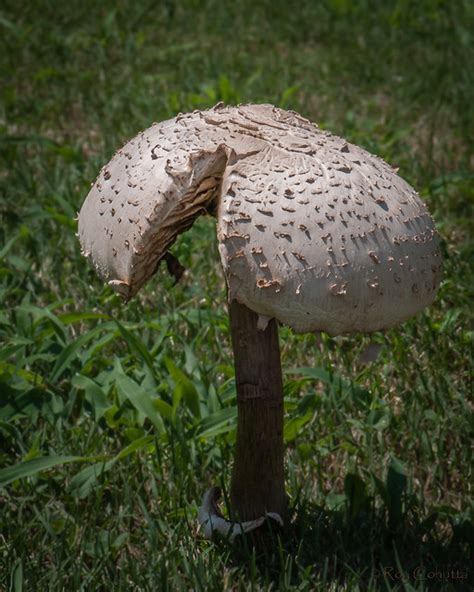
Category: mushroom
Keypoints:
(313, 232)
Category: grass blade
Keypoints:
(32, 467)
(141, 400)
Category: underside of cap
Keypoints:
(312, 230)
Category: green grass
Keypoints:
(135, 405)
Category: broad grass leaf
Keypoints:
(164, 408)
(70, 318)
(136, 345)
(191, 361)
(9, 245)
(29, 377)
(293, 427)
(379, 419)
(138, 444)
(313, 374)
(93, 393)
(70, 352)
(308, 403)
(338, 385)
(21, 264)
(88, 356)
(17, 577)
(14, 346)
(26, 402)
(305, 451)
(83, 482)
(186, 388)
(44, 313)
(32, 467)
(335, 500)
(218, 423)
(141, 400)
(112, 417)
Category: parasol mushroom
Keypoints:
(313, 232)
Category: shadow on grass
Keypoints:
(329, 549)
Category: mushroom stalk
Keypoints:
(258, 480)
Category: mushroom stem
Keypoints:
(258, 480)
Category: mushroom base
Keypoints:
(258, 481)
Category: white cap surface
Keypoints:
(312, 230)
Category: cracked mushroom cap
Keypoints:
(312, 230)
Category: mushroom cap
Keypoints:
(312, 230)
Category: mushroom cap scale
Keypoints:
(312, 230)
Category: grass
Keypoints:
(114, 419)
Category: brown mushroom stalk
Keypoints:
(258, 476)
(313, 232)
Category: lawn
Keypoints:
(115, 418)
